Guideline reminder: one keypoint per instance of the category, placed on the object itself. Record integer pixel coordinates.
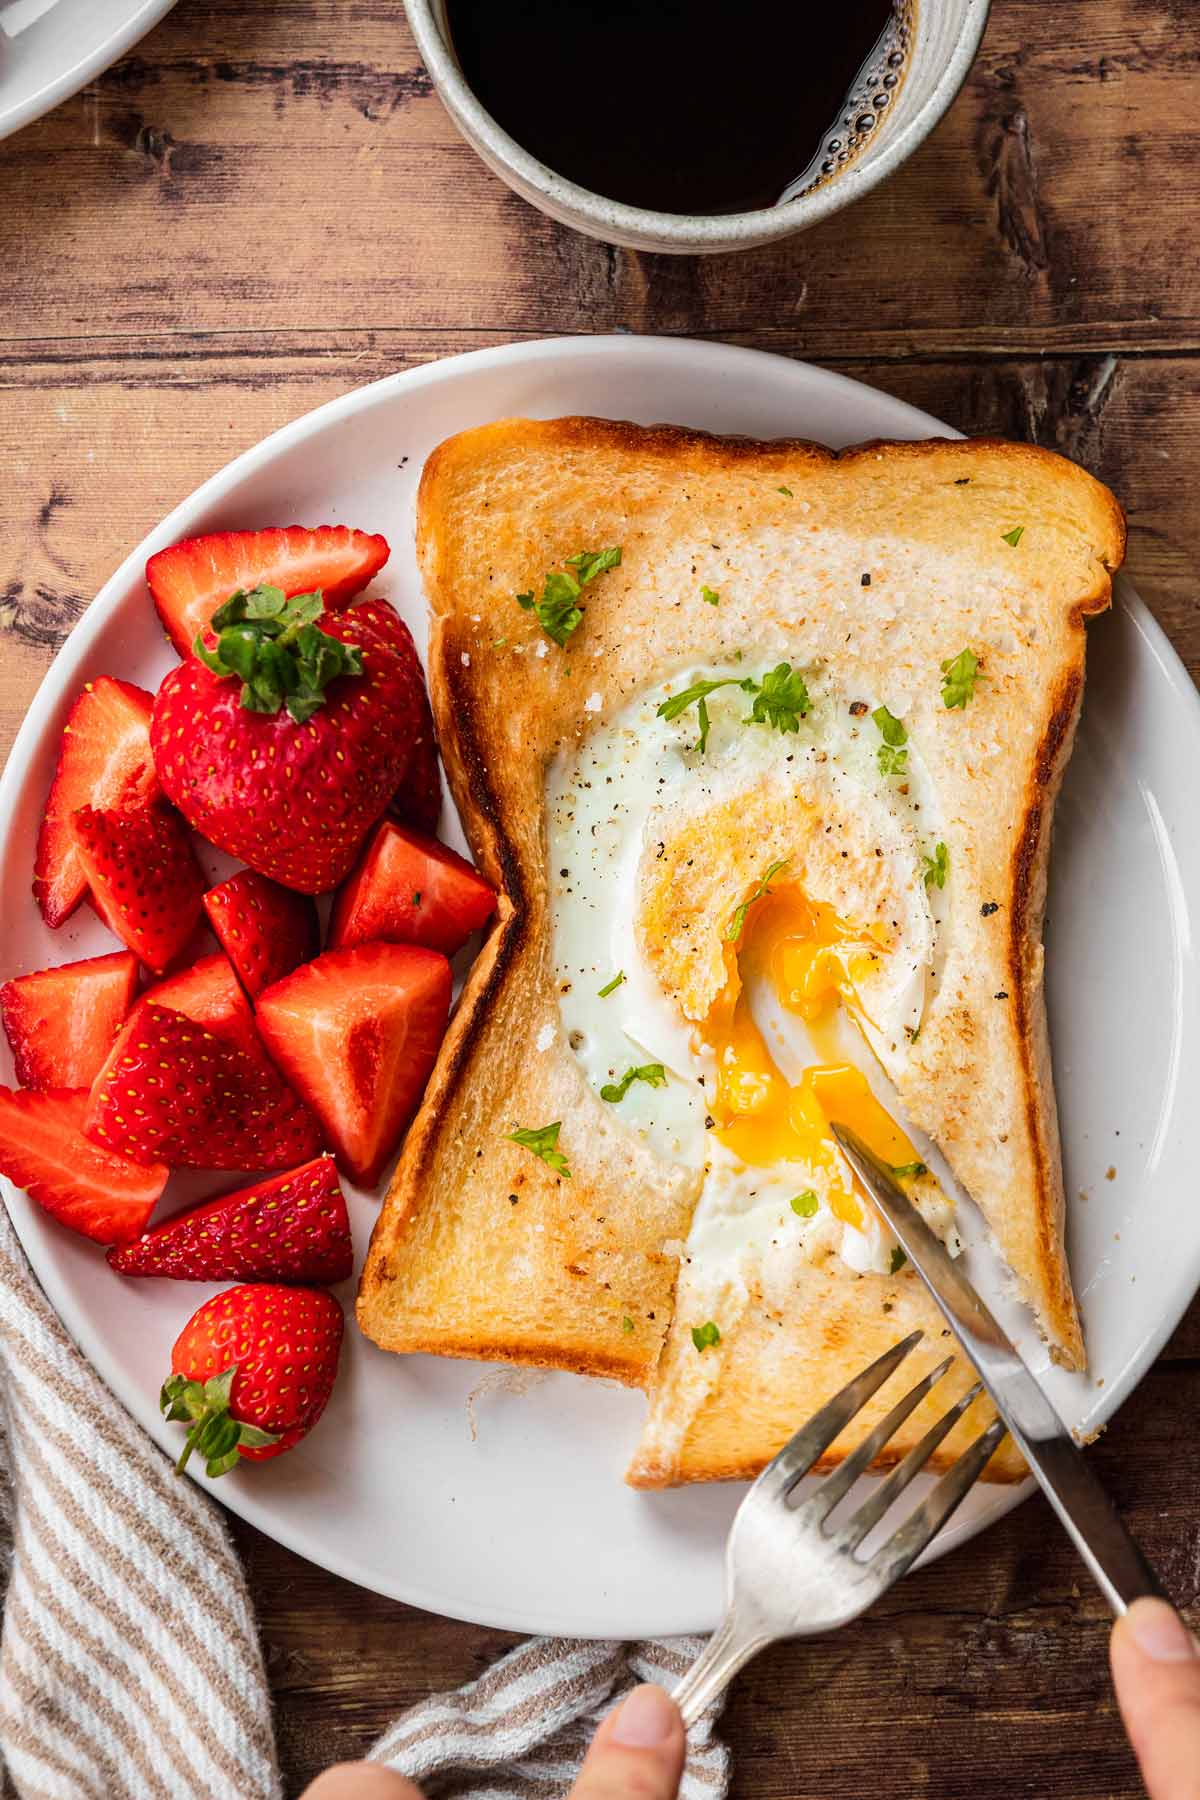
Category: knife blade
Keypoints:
(1116, 1563)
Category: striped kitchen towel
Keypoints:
(129, 1664)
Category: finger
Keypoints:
(1156, 1668)
(637, 1754)
(361, 1781)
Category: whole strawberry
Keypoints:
(287, 741)
(252, 1371)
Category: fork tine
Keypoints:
(837, 1485)
(801, 1451)
(906, 1544)
(872, 1510)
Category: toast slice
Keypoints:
(871, 572)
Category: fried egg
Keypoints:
(744, 938)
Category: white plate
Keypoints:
(528, 1525)
(49, 49)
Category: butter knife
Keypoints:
(1120, 1570)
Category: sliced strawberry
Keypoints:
(173, 1092)
(357, 1033)
(190, 580)
(104, 760)
(210, 994)
(294, 1227)
(89, 1189)
(265, 930)
(411, 890)
(145, 881)
(62, 1023)
(252, 1371)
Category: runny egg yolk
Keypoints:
(813, 959)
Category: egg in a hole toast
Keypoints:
(767, 799)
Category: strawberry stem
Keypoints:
(278, 651)
(213, 1430)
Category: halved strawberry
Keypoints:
(104, 760)
(265, 930)
(357, 1033)
(411, 890)
(89, 1189)
(294, 1227)
(62, 1023)
(145, 881)
(190, 580)
(173, 1092)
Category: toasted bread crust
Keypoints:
(421, 1289)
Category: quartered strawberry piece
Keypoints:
(190, 580)
(145, 881)
(87, 1188)
(265, 930)
(104, 760)
(173, 1092)
(252, 1371)
(294, 1227)
(411, 890)
(61, 1023)
(210, 994)
(357, 1032)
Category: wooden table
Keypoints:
(265, 205)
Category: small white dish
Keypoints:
(49, 49)
(525, 1523)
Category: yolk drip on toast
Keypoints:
(813, 960)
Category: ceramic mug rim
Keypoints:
(616, 221)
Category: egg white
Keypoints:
(631, 786)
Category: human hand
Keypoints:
(1156, 1668)
(637, 1754)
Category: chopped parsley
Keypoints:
(610, 987)
(543, 1141)
(710, 596)
(935, 868)
(959, 675)
(903, 1170)
(653, 1074)
(785, 490)
(898, 1261)
(892, 757)
(805, 1205)
(627, 1325)
(705, 1336)
(737, 922)
(558, 610)
(780, 700)
(1014, 536)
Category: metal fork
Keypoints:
(788, 1572)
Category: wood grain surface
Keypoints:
(265, 205)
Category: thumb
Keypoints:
(637, 1754)
(1156, 1668)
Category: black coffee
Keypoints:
(685, 106)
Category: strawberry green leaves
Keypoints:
(213, 1431)
(557, 609)
(278, 652)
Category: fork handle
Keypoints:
(728, 1650)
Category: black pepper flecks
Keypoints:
(989, 907)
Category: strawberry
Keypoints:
(418, 799)
(145, 881)
(410, 890)
(285, 743)
(265, 930)
(210, 994)
(252, 1371)
(190, 581)
(90, 1190)
(173, 1092)
(61, 1023)
(104, 760)
(357, 1033)
(294, 1227)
